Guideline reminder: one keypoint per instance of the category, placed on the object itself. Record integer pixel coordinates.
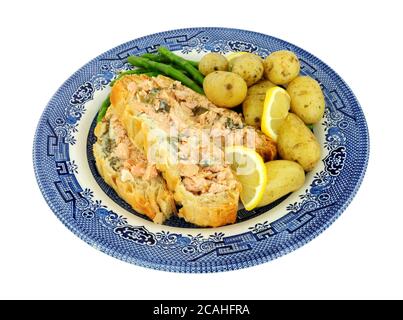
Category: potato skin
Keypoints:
(225, 89)
(249, 66)
(212, 62)
(283, 177)
(281, 67)
(252, 109)
(307, 100)
(252, 106)
(297, 143)
(260, 88)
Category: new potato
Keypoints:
(260, 88)
(297, 143)
(280, 67)
(225, 89)
(213, 62)
(307, 100)
(249, 66)
(283, 177)
(252, 107)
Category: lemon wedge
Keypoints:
(251, 172)
(275, 109)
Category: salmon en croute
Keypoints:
(161, 147)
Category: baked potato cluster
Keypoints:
(282, 68)
(245, 80)
(225, 84)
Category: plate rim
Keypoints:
(209, 267)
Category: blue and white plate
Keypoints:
(64, 167)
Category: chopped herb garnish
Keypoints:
(154, 91)
(147, 99)
(150, 97)
(108, 145)
(163, 106)
(229, 124)
(115, 163)
(198, 110)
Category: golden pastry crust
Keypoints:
(208, 210)
(123, 96)
(148, 131)
(149, 197)
(265, 146)
(205, 210)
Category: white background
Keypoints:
(44, 42)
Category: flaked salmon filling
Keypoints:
(127, 158)
(122, 155)
(206, 180)
(177, 108)
(196, 128)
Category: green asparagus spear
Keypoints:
(194, 63)
(167, 70)
(104, 107)
(155, 57)
(183, 63)
(152, 73)
(160, 58)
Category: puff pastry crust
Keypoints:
(150, 197)
(133, 103)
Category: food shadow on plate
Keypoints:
(174, 221)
